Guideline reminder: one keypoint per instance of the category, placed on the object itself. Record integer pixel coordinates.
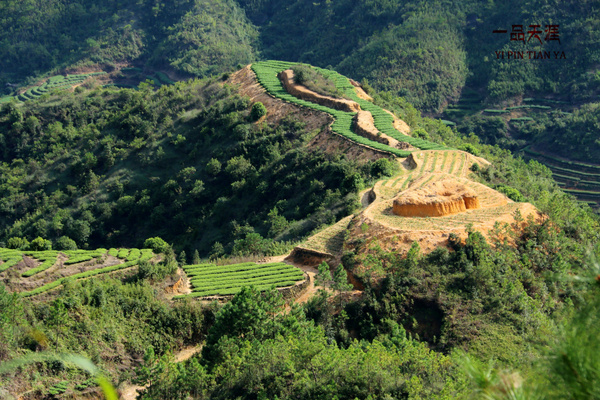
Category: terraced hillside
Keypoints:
(398, 232)
(422, 165)
(267, 75)
(577, 178)
(34, 272)
(210, 280)
(377, 222)
(127, 77)
(53, 83)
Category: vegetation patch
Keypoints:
(211, 280)
(266, 73)
(315, 81)
(10, 258)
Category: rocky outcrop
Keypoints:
(436, 200)
(176, 287)
(302, 92)
(304, 256)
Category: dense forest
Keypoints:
(109, 167)
(433, 54)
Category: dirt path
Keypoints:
(310, 271)
(311, 290)
(129, 391)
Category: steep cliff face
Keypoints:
(436, 200)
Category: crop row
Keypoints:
(123, 253)
(232, 291)
(562, 161)
(492, 111)
(145, 255)
(47, 262)
(575, 179)
(230, 268)
(11, 257)
(243, 275)
(48, 259)
(295, 277)
(266, 73)
(209, 279)
(9, 262)
(134, 254)
(546, 100)
(81, 275)
(573, 174)
(78, 256)
(384, 121)
(529, 106)
(55, 82)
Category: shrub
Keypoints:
(511, 192)
(157, 245)
(258, 110)
(40, 244)
(469, 148)
(17, 243)
(383, 167)
(65, 243)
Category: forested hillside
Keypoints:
(111, 167)
(435, 55)
(214, 232)
(422, 51)
(195, 38)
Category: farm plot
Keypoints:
(34, 272)
(211, 280)
(266, 73)
(54, 83)
(577, 178)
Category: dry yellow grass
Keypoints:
(329, 240)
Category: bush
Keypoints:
(511, 193)
(65, 243)
(157, 245)
(40, 244)
(469, 148)
(17, 243)
(258, 110)
(383, 167)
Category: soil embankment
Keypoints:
(302, 92)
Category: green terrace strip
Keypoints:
(243, 275)
(529, 106)
(212, 280)
(113, 252)
(134, 254)
(561, 160)
(55, 82)
(10, 258)
(266, 73)
(496, 111)
(546, 100)
(78, 256)
(48, 259)
(123, 253)
(144, 255)
(384, 121)
(164, 78)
